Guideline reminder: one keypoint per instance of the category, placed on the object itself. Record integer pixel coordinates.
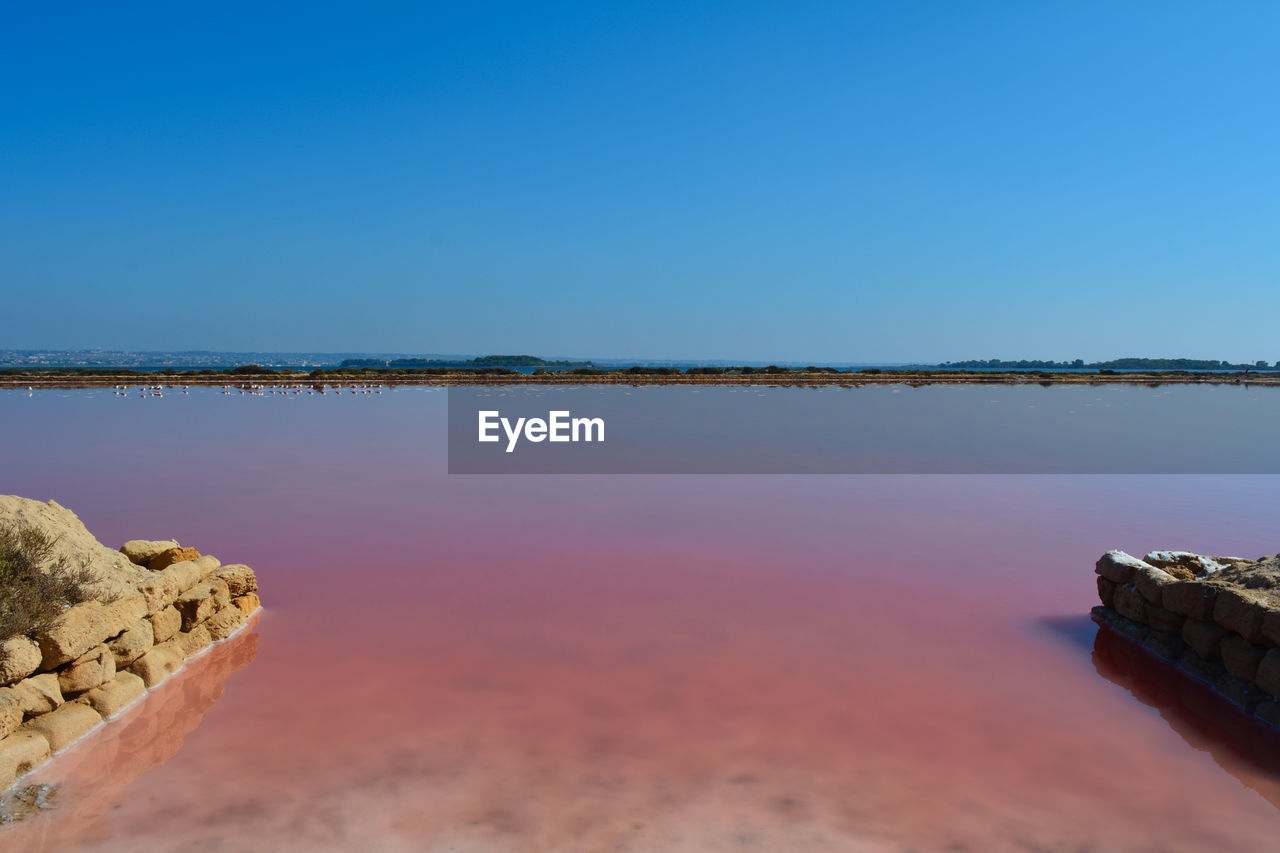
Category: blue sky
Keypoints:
(793, 181)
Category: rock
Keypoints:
(1203, 637)
(1271, 627)
(1243, 693)
(1241, 611)
(114, 575)
(1192, 599)
(1268, 675)
(1150, 581)
(1106, 591)
(142, 551)
(1208, 671)
(84, 626)
(132, 643)
(39, 694)
(163, 588)
(1118, 623)
(158, 664)
(240, 579)
(1164, 620)
(198, 604)
(1199, 566)
(186, 574)
(166, 624)
(11, 713)
(112, 698)
(1164, 644)
(21, 752)
(1117, 566)
(220, 591)
(1268, 711)
(1240, 658)
(159, 592)
(1262, 575)
(169, 556)
(248, 603)
(1130, 604)
(19, 657)
(224, 623)
(64, 726)
(194, 641)
(208, 565)
(92, 669)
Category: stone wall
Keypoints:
(99, 657)
(1216, 618)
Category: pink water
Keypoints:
(632, 663)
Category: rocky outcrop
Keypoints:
(1216, 618)
(118, 694)
(65, 726)
(116, 576)
(21, 752)
(19, 657)
(157, 605)
(85, 626)
(141, 551)
(168, 557)
(92, 669)
(38, 694)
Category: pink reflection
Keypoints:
(93, 776)
(586, 663)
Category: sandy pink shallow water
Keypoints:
(633, 663)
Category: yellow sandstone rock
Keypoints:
(141, 551)
(21, 752)
(110, 699)
(197, 604)
(39, 694)
(170, 556)
(84, 626)
(63, 726)
(11, 710)
(19, 657)
(240, 579)
(194, 641)
(224, 623)
(159, 663)
(92, 669)
(132, 643)
(166, 624)
(248, 603)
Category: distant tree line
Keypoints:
(1113, 364)
(501, 365)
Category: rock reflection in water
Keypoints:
(1240, 744)
(91, 777)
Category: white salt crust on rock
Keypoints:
(1216, 618)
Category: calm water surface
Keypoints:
(631, 662)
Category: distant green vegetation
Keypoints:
(1114, 364)
(375, 370)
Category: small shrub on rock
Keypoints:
(35, 585)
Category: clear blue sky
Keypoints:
(794, 181)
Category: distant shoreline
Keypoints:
(915, 378)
